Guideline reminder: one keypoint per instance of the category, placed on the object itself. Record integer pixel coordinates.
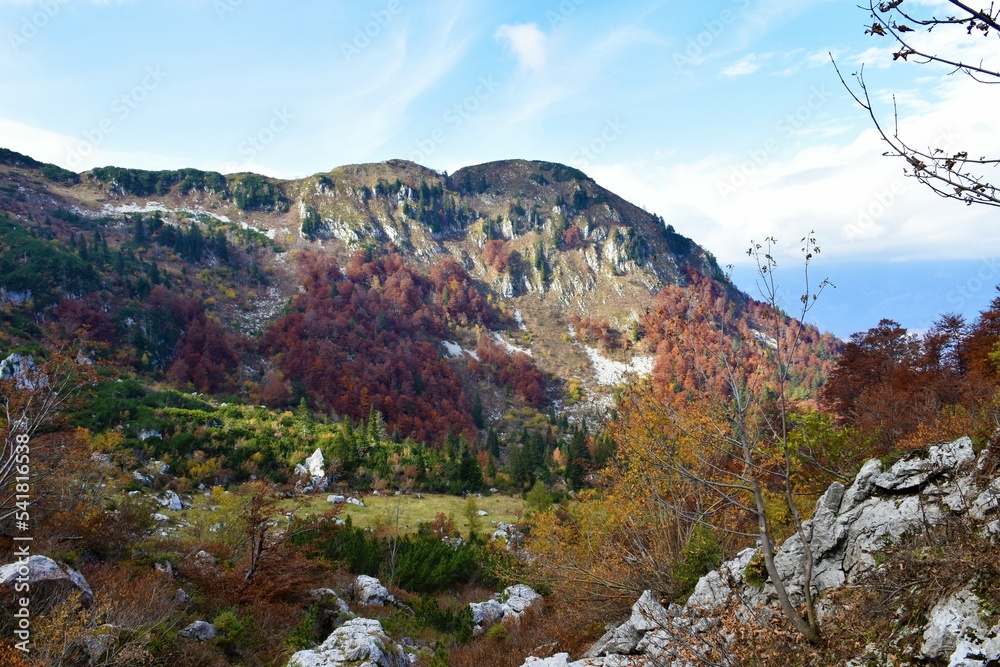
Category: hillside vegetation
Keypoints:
(203, 362)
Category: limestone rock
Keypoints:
(200, 631)
(329, 597)
(849, 527)
(315, 465)
(21, 368)
(360, 642)
(647, 613)
(41, 572)
(911, 473)
(485, 614)
(509, 533)
(172, 502)
(517, 599)
(954, 630)
(369, 590)
(987, 502)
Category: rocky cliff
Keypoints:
(920, 503)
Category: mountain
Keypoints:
(222, 283)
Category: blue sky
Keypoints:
(725, 117)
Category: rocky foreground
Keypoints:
(849, 529)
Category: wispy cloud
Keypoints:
(858, 201)
(527, 42)
(742, 67)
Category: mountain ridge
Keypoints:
(541, 242)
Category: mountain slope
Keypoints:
(201, 265)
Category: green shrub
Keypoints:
(702, 554)
(497, 633)
(427, 564)
(457, 622)
(304, 636)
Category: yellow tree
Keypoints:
(731, 442)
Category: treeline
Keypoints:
(202, 444)
(143, 183)
(899, 390)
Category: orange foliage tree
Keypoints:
(367, 339)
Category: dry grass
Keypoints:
(542, 631)
(381, 511)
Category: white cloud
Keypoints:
(746, 65)
(858, 201)
(527, 42)
(76, 153)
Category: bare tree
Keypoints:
(953, 174)
(733, 444)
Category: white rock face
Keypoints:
(172, 502)
(485, 614)
(315, 465)
(21, 368)
(848, 528)
(510, 534)
(507, 606)
(517, 599)
(360, 642)
(201, 631)
(43, 571)
(369, 590)
(950, 619)
(328, 595)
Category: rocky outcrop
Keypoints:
(849, 527)
(172, 502)
(369, 591)
(510, 534)
(508, 607)
(45, 578)
(200, 631)
(314, 470)
(360, 642)
(329, 598)
(21, 368)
